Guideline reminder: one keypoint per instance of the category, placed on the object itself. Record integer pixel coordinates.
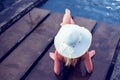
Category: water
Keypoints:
(100, 10)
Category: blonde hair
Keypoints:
(70, 61)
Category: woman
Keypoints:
(72, 43)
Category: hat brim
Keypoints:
(80, 49)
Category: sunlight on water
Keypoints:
(117, 0)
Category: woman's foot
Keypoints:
(67, 11)
(52, 55)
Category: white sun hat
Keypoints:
(72, 41)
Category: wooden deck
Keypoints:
(25, 47)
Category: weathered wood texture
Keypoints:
(44, 69)
(14, 66)
(105, 40)
(84, 22)
(20, 29)
(116, 72)
(14, 10)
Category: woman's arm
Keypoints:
(56, 66)
(87, 60)
(54, 56)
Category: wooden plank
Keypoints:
(116, 72)
(105, 41)
(11, 36)
(45, 66)
(77, 72)
(44, 69)
(13, 12)
(29, 50)
(87, 23)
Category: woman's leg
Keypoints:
(87, 60)
(67, 19)
(56, 62)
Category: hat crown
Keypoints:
(71, 39)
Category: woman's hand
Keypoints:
(53, 55)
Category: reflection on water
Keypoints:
(100, 10)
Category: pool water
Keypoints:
(100, 10)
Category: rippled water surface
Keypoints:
(99, 10)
